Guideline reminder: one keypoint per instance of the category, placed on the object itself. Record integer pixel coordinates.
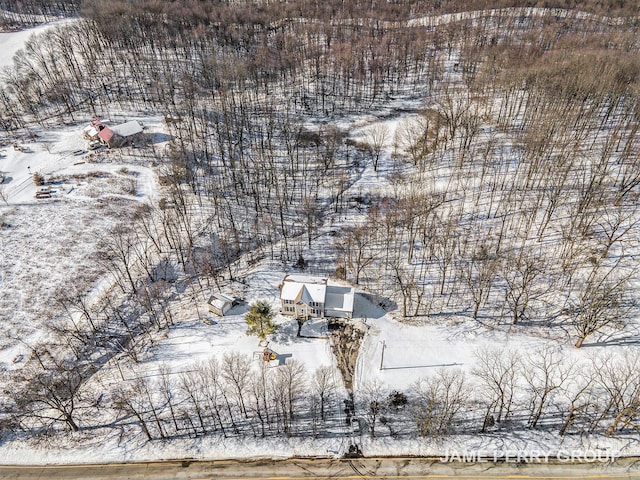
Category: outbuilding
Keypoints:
(127, 133)
(219, 303)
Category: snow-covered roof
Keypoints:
(290, 290)
(339, 298)
(304, 292)
(300, 288)
(313, 292)
(305, 279)
(91, 130)
(127, 129)
(219, 300)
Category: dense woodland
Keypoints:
(512, 200)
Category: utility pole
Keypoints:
(384, 344)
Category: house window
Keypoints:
(288, 302)
(315, 304)
(289, 309)
(315, 311)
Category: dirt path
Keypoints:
(346, 338)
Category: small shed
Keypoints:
(219, 303)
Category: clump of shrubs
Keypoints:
(38, 179)
(397, 400)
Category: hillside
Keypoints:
(473, 174)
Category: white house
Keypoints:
(305, 297)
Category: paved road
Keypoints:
(302, 469)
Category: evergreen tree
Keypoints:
(260, 319)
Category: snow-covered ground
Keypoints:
(44, 242)
(63, 157)
(201, 335)
(411, 352)
(12, 42)
(48, 244)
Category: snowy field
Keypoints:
(49, 244)
(11, 42)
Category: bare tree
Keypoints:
(259, 390)
(289, 389)
(144, 389)
(412, 294)
(78, 309)
(4, 197)
(498, 372)
(125, 399)
(583, 402)
(371, 399)
(616, 226)
(619, 377)
(167, 387)
(479, 275)
(544, 372)
(604, 302)
(377, 136)
(357, 251)
(52, 393)
(235, 371)
(439, 401)
(521, 273)
(412, 137)
(116, 253)
(193, 387)
(323, 386)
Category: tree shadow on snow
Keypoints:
(619, 339)
(287, 333)
(240, 308)
(155, 138)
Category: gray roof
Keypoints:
(339, 298)
(127, 129)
